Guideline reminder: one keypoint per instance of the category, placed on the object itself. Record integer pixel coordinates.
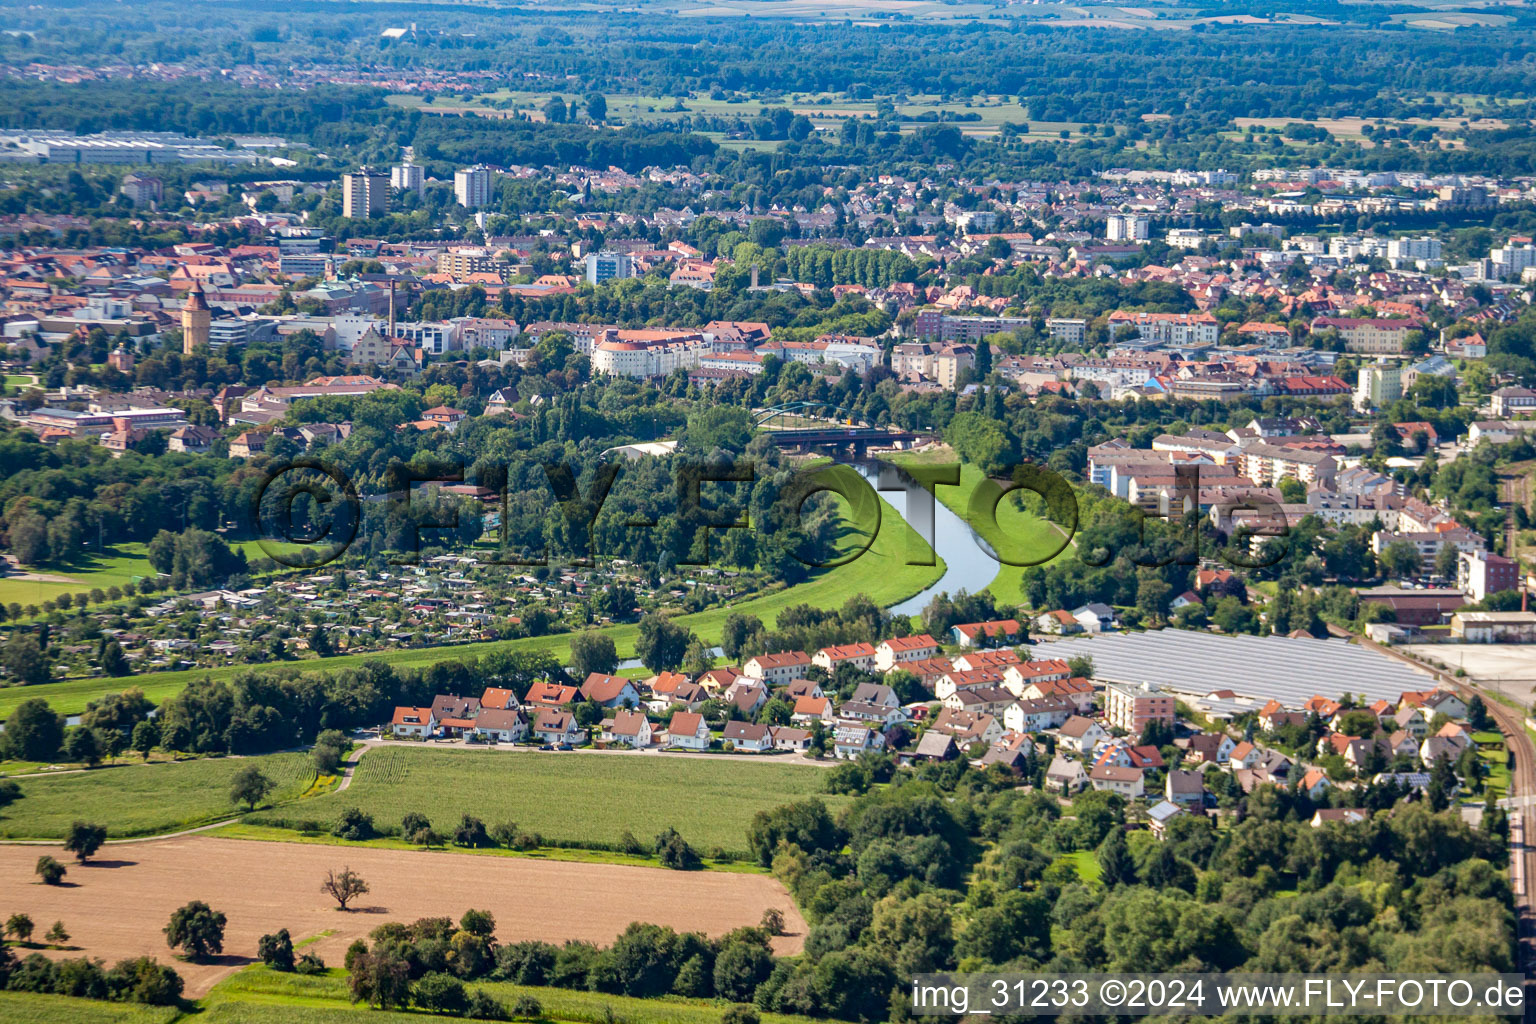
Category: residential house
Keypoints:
(1035, 715)
(1184, 787)
(777, 669)
(1128, 782)
(748, 695)
(967, 728)
(551, 726)
(987, 634)
(610, 691)
(1020, 677)
(798, 688)
(1210, 748)
(689, 731)
(933, 746)
(748, 736)
(1095, 617)
(415, 723)
(1315, 783)
(1065, 776)
(1013, 750)
(500, 725)
(1081, 734)
(789, 738)
(497, 699)
(851, 740)
(1058, 623)
(551, 695)
(1159, 816)
(897, 650)
(630, 728)
(860, 656)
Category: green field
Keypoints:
(881, 573)
(27, 1008)
(92, 570)
(257, 995)
(570, 799)
(134, 800)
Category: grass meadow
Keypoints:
(29, 1008)
(571, 799)
(260, 996)
(137, 800)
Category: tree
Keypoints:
(737, 631)
(50, 870)
(1081, 666)
(344, 887)
(83, 746)
(675, 853)
(113, 661)
(25, 661)
(197, 929)
(250, 787)
(33, 732)
(662, 643)
(56, 934)
(83, 839)
(441, 993)
(1447, 561)
(1116, 866)
(276, 950)
(471, 833)
(593, 651)
(19, 925)
(1477, 715)
(381, 979)
(597, 106)
(1401, 558)
(146, 737)
(773, 921)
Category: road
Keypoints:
(1522, 793)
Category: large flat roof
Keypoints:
(1270, 667)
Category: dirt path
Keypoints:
(115, 906)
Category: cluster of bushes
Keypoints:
(471, 833)
(426, 963)
(140, 980)
(276, 951)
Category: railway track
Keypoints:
(1522, 783)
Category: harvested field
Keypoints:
(116, 906)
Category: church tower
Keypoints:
(195, 318)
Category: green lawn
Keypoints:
(1085, 863)
(134, 800)
(27, 1008)
(881, 573)
(257, 995)
(91, 570)
(570, 799)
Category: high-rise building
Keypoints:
(407, 177)
(364, 193)
(1124, 227)
(609, 266)
(195, 318)
(472, 186)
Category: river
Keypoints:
(968, 560)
